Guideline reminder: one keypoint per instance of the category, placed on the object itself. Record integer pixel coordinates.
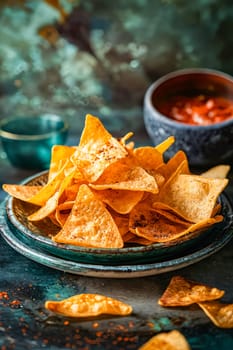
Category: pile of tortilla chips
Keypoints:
(184, 292)
(105, 192)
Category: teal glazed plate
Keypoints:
(133, 270)
(38, 236)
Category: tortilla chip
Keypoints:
(97, 149)
(59, 156)
(193, 196)
(149, 158)
(23, 192)
(217, 172)
(183, 292)
(52, 203)
(122, 201)
(123, 177)
(89, 305)
(221, 314)
(169, 168)
(163, 146)
(156, 226)
(89, 224)
(173, 340)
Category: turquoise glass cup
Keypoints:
(27, 141)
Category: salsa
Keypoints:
(198, 110)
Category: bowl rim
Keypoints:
(180, 125)
(24, 137)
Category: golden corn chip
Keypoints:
(49, 189)
(219, 172)
(183, 292)
(89, 305)
(89, 224)
(156, 226)
(52, 202)
(163, 146)
(125, 138)
(23, 192)
(123, 177)
(169, 168)
(193, 196)
(97, 149)
(59, 156)
(148, 157)
(122, 222)
(173, 340)
(122, 201)
(221, 314)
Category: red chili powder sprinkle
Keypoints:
(4, 295)
(95, 325)
(15, 303)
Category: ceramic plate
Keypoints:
(38, 236)
(9, 233)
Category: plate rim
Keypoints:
(47, 242)
(108, 271)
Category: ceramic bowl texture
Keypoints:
(27, 141)
(205, 145)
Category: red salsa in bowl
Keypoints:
(195, 106)
(198, 110)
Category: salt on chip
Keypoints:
(193, 196)
(97, 149)
(89, 224)
(89, 305)
(183, 292)
(221, 314)
(173, 340)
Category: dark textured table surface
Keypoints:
(25, 285)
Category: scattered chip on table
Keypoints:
(89, 305)
(183, 292)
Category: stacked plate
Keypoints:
(33, 240)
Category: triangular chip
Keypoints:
(123, 177)
(219, 171)
(89, 305)
(221, 314)
(163, 146)
(23, 192)
(156, 226)
(52, 203)
(193, 196)
(89, 224)
(149, 158)
(122, 201)
(183, 292)
(59, 156)
(173, 340)
(97, 149)
(169, 168)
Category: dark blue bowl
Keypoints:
(206, 145)
(27, 141)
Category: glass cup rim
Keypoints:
(25, 137)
